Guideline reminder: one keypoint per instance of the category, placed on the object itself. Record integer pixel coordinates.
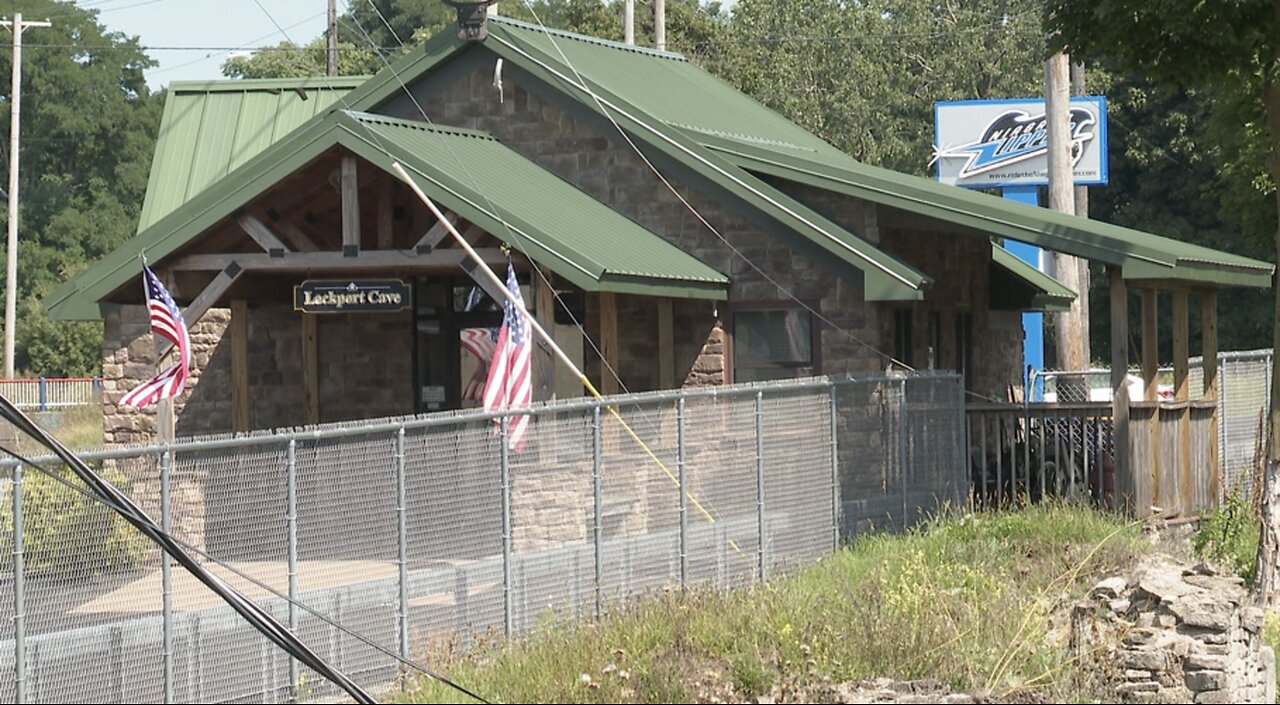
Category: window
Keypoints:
(772, 344)
(935, 340)
(964, 347)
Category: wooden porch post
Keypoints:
(666, 345)
(1182, 394)
(1125, 482)
(310, 370)
(1150, 391)
(608, 343)
(239, 366)
(544, 370)
(1209, 336)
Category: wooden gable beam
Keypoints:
(371, 260)
(261, 234)
(212, 292)
(436, 234)
(350, 207)
(291, 234)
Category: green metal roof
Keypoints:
(538, 53)
(1140, 254)
(210, 128)
(1017, 286)
(465, 171)
(670, 104)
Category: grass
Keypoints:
(79, 427)
(966, 600)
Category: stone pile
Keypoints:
(1175, 634)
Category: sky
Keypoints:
(210, 23)
(207, 23)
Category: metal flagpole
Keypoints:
(498, 286)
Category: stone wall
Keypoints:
(365, 368)
(1172, 634)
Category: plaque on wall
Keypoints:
(352, 296)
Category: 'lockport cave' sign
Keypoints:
(351, 296)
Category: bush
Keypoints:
(67, 534)
(1228, 535)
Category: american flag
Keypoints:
(510, 383)
(479, 342)
(166, 322)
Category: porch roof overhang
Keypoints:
(1139, 255)
(467, 172)
(1017, 286)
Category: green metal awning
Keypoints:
(1141, 255)
(467, 172)
(1017, 286)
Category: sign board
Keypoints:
(1001, 143)
(352, 296)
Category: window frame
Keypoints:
(762, 305)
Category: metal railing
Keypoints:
(49, 393)
(1244, 384)
(426, 534)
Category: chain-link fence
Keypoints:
(1244, 384)
(420, 536)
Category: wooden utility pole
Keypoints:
(1080, 307)
(1068, 326)
(629, 21)
(17, 26)
(331, 65)
(660, 24)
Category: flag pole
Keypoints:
(499, 286)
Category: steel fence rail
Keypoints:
(426, 535)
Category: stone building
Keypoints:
(697, 236)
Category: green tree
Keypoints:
(288, 60)
(864, 76)
(1228, 49)
(88, 130)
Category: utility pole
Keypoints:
(629, 21)
(1082, 265)
(17, 26)
(660, 24)
(331, 65)
(1068, 331)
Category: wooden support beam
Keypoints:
(435, 235)
(544, 370)
(1182, 392)
(1209, 351)
(299, 240)
(1150, 345)
(1126, 486)
(666, 345)
(1150, 388)
(211, 293)
(386, 231)
(310, 370)
(608, 343)
(370, 260)
(350, 207)
(240, 366)
(261, 234)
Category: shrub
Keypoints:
(67, 534)
(1228, 535)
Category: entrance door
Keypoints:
(456, 328)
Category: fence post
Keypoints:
(760, 556)
(1220, 490)
(506, 527)
(166, 575)
(684, 517)
(835, 470)
(597, 523)
(902, 447)
(291, 550)
(19, 597)
(402, 549)
(44, 395)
